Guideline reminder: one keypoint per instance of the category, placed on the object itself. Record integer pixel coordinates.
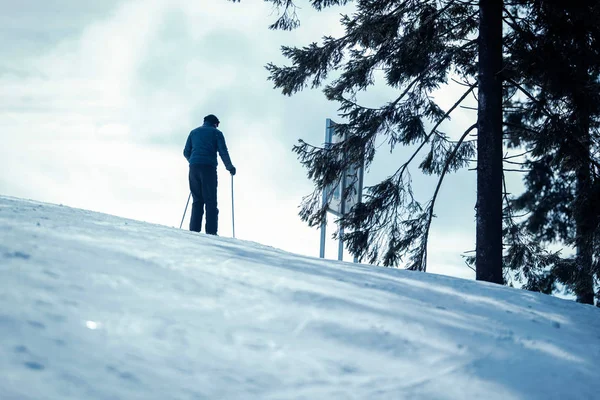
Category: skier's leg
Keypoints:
(209, 188)
(198, 202)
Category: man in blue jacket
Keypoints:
(201, 149)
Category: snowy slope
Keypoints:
(98, 307)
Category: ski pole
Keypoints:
(232, 209)
(184, 211)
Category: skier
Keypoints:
(200, 150)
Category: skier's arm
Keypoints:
(223, 152)
(187, 151)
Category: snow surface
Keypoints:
(98, 307)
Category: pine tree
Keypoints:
(418, 44)
(557, 64)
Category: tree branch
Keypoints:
(446, 115)
(437, 190)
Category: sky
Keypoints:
(94, 306)
(97, 99)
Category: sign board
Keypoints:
(352, 177)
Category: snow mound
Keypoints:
(98, 307)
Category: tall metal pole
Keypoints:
(328, 140)
(342, 212)
(323, 233)
(361, 173)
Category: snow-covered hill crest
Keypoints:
(98, 307)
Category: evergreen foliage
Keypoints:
(555, 60)
(418, 45)
(549, 111)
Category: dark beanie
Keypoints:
(211, 119)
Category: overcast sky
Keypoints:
(97, 98)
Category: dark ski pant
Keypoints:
(203, 185)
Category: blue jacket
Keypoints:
(202, 146)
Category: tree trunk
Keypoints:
(584, 283)
(488, 258)
(584, 277)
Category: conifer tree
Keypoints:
(556, 62)
(418, 44)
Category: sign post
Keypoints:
(333, 195)
(361, 172)
(328, 142)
